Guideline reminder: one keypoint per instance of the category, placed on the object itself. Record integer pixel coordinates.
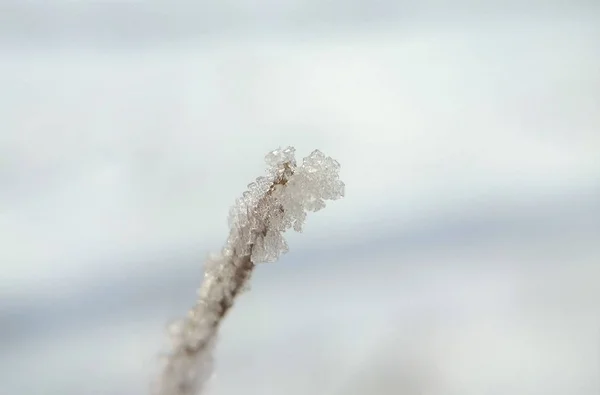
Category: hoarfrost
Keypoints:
(272, 204)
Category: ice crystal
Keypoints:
(272, 204)
(279, 201)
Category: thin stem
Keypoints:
(271, 206)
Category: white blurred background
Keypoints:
(465, 258)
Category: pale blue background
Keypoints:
(463, 261)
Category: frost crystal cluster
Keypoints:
(271, 205)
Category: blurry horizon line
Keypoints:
(130, 24)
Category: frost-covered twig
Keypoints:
(271, 205)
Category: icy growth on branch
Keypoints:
(280, 200)
(271, 205)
